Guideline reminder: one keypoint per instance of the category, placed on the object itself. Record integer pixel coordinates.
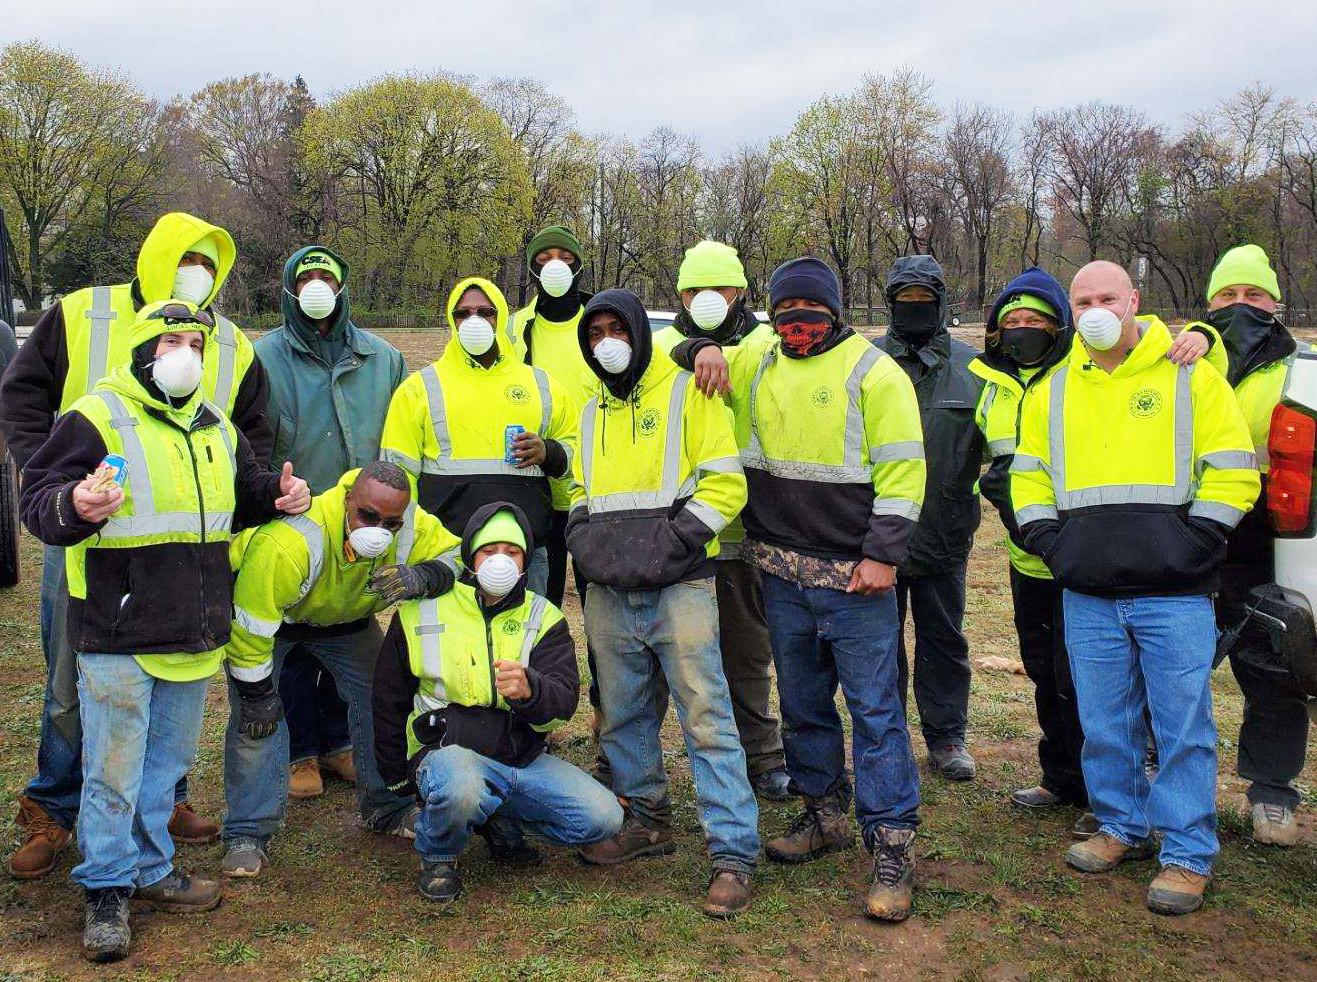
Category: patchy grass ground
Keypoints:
(994, 900)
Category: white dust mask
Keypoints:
(317, 299)
(193, 283)
(613, 354)
(369, 541)
(1100, 327)
(498, 574)
(476, 335)
(708, 309)
(556, 277)
(177, 372)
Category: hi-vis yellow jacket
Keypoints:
(1128, 483)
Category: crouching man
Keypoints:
(466, 687)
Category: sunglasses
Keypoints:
(462, 313)
(178, 313)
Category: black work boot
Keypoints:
(105, 933)
(823, 827)
(892, 888)
(439, 881)
(507, 844)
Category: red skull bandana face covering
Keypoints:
(802, 330)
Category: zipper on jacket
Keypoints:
(489, 649)
(201, 515)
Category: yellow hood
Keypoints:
(490, 290)
(173, 235)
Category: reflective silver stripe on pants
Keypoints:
(98, 341)
(315, 548)
(531, 629)
(406, 537)
(226, 336)
(434, 395)
(1227, 515)
(139, 475)
(1035, 513)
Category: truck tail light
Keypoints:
(1290, 447)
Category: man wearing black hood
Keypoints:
(931, 580)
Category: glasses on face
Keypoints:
(178, 313)
(368, 516)
(462, 313)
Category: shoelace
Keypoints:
(107, 902)
(888, 862)
(1273, 813)
(804, 820)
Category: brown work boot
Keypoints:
(891, 890)
(823, 827)
(1177, 890)
(304, 779)
(729, 893)
(188, 828)
(1103, 853)
(43, 840)
(340, 766)
(179, 893)
(632, 841)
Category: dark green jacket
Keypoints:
(328, 393)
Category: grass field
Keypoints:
(994, 900)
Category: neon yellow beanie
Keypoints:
(1245, 265)
(1027, 302)
(710, 263)
(319, 260)
(502, 527)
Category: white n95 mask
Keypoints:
(1099, 327)
(193, 283)
(476, 335)
(498, 574)
(177, 372)
(370, 541)
(708, 309)
(317, 299)
(613, 354)
(556, 277)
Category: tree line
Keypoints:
(420, 178)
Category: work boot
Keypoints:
(892, 888)
(1103, 853)
(823, 827)
(507, 844)
(1086, 826)
(1274, 825)
(105, 932)
(245, 858)
(1177, 890)
(43, 840)
(773, 785)
(340, 765)
(1038, 797)
(729, 893)
(187, 828)
(403, 825)
(439, 882)
(632, 841)
(304, 779)
(179, 893)
(952, 761)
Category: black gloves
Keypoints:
(260, 708)
(393, 584)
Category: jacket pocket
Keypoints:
(636, 552)
(1128, 552)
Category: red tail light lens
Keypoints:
(1290, 446)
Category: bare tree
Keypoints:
(976, 151)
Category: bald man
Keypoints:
(1130, 473)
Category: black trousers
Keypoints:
(557, 546)
(942, 670)
(1040, 624)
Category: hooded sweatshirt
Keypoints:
(328, 393)
(509, 731)
(50, 370)
(948, 393)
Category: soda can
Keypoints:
(119, 465)
(510, 434)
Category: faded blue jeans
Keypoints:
(1155, 653)
(139, 736)
(635, 635)
(821, 638)
(256, 771)
(549, 797)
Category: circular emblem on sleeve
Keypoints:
(511, 627)
(516, 394)
(821, 397)
(649, 421)
(1145, 403)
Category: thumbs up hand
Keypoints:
(295, 495)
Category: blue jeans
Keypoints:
(537, 575)
(1155, 653)
(256, 771)
(822, 637)
(636, 634)
(139, 736)
(549, 797)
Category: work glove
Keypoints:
(393, 584)
(260, 708)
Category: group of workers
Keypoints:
(733, 497)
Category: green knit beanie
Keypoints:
(1245, 265)
(553, 237)
(710, 263)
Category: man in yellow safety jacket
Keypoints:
(1130, 473)
(77, 342)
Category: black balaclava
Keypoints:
(916, 320)
(1245, 329)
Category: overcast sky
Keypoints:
(723, 72)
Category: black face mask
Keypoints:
(1244, 329)
(916, 320)
(1026, 345)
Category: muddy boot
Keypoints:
(892, 888)
(1274, 825)
(340, 765)
(1086, 826)
(632, 841)
(304, 780)
(952, 761)
(188, 828)
(43, 840)
(105, 932)
(773, 785)
(439, 882)
(823, 827)
(507, 844)
(1103, 853)
(179, 893)
(1177, 890)
(729, 893)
